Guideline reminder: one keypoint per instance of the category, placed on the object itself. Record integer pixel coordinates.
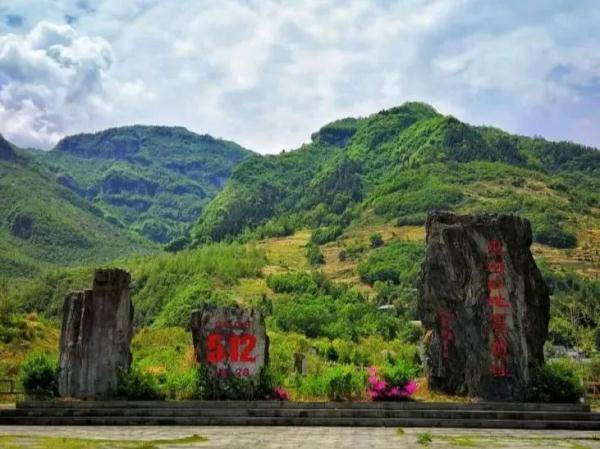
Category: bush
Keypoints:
(376, 240)
(554, 235)
(393, 382)
(237, 388)
(39, 375)
(298, 282)
(137, 385)
(326, 234)
(561, 332)
(594, 370)
(395, 263)
(314, 254)
(352, 251)
(555, 382)
(180, 386)
(344, 383)
(412, 220)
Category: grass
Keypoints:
(286, 253)
(509, 441)
(424, 438)
(34, 442)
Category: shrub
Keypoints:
(137, 385)
(314, 254)
(292, 283)
(555, 382)
(412, 220)
(561, 332)
(180, 386)
(376, 240)
(393, 382)
(352, 251)
(344, 383)
(278, 394)
(395, 263)
(39, 375)
(326, 234)
(554, 235)
(594, 375)
(236, 388)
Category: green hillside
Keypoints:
(43, 223)
(327, 241)
(398, 164)
(153, 180)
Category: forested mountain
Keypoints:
(43, 223)
(327, 240)
(400, 163)
(153, 180)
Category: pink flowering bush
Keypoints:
(391, 383)
(279, 394)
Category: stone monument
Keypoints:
(95, 336)
(230, 343)
(483, 304)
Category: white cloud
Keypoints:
(268, 73)
(50, 77)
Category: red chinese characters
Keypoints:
(500, 308)
(445, 320)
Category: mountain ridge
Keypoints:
(153, 180)
(356, 164)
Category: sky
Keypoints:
(268, 73)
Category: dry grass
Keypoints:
(286, 253)
(424, 394)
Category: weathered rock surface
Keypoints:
(95, 336)
(484, 305)
(230, 342)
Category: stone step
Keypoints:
(301, 413)
(407, 405)
(296, 421)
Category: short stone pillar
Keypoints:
(95, 336)
(300, 363)
(483, 304)
(230, 342)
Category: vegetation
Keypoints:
(31, 441)
(326, 240)
(137, 385)
(166, 286)
(39, 375)
(402, 162)
(44, 224)
(556, 382)
(153, 180)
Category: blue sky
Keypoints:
(268, 73)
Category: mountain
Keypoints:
(153, 180)
(396, 165)
(45, 224)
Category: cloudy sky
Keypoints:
(268, 73)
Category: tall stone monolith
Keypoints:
(483, 304)
(95, 337)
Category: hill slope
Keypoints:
(152, 179)
(44, 223)
(398, 164)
